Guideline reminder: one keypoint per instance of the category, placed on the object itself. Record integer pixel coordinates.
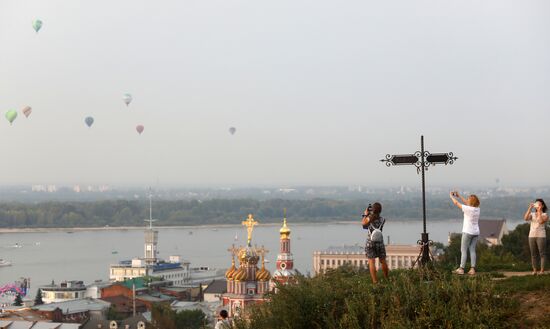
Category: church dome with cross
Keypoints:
(246, 284)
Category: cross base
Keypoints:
(425, 256)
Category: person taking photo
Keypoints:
(374, 248)
(470, 230)
(536, 214)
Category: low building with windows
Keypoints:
(174, 270)
(74, 311)
(30, 324)
(397, 257)
(66, 290)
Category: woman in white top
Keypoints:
(470, 230)
(536, 214)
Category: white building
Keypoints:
(65, 291)
(94, 290)
(397, 257)
(175, 270)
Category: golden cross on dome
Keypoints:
(261, 251)
(233, 250)
(250, 223)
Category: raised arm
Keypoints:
(461, 198)
(527, 215)
(366, 218)
(455, 201)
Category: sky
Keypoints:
(319, 91)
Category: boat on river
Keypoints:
(4, 263)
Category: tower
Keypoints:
(151, 237)
(285, 272)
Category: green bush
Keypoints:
(346, 298)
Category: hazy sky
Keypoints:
(319, 91)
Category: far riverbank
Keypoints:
(211, 226)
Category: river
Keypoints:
(86, 254)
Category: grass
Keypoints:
(531, 296)
(346, 298)
(524, 284)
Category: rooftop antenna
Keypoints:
(150, 220)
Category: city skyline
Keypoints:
(315, 101)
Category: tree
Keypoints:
(166, 318)
(38, 299)
(112, 314)
(18, 300)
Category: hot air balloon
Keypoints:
(27, 110)
(127, 98)
(232, 130)
(139, 129)
(37, 25)
(89, 121)
(11, 115)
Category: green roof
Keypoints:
(140, 282)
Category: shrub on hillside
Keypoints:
(346, 298)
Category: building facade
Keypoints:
(65, 291)
(397, 257)
(174, 270)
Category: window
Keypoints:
(322, 262)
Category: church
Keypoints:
(247, 283)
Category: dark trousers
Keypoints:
(538, 249)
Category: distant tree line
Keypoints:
(231, 211)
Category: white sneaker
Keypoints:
(459, 271)
(472, 271)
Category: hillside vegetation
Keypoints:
(346, 299)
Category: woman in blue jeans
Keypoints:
(470, 230)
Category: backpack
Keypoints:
(376, 232)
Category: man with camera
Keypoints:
(374, 248)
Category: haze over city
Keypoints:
(319, 91)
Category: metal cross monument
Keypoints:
(421, 160)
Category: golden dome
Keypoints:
(284, 231)
(263, 274)
(231, 271)
(241, 274)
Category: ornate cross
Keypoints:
(233, 250)
(249, 223)
(421, 160)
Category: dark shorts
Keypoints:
(375, 250)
